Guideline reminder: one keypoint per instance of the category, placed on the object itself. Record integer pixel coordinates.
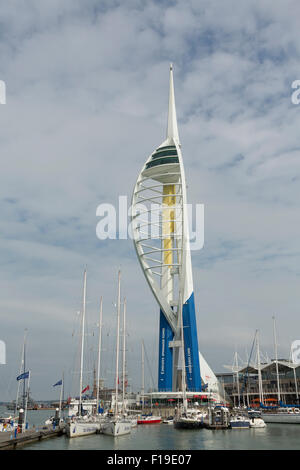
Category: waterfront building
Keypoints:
(242, 385)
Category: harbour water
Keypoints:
(165, 437)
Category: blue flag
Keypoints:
(25, 375)
(58, 383)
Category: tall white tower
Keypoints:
(161, 240)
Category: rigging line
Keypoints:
(148, 362)
(247, 370)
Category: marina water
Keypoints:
(166, 437)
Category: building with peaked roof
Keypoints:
(280, 383)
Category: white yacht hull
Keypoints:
(239, 424)
(78, 428)
(283, 418)
(257, 423)
(116, 428)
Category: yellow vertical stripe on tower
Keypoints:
(168, 225)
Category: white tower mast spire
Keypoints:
(172, 129)
(161, 239)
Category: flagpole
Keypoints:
(60, 397)
(24, 369)
(143, 375)
(63, 386)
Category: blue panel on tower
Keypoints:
(165, 359)
(193, 378)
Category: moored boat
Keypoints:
(133, 421)
(149, 419)
(82, 424)
(82, 427)
(282, 415)
(256, 420)
(239, 421)
(188, 421)
(118, 426)
(169, 420)
(217, 418)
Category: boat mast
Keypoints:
(183, 374)
(24, 370)
(124, 346)
(260, 386)
(61, 393)
(118, 342)
(236, 367)
(82, 340)
(143, 374)
(99, 353)
(21, 365)
(26, 400)
(294, 371)
(276, 359)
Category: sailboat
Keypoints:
(146, 419)
(129, 416)
(186, 418)
(20, 421)
(15, 405)
(283, 414)
(82, 425)
(117, 424)
(100, 415)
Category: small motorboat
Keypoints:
(239, 422)
(169, 420)
(149, 419)
(256, 420)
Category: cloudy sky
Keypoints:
(87, 93)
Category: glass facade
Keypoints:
(289, 385)
(163, 155)
(162, 161)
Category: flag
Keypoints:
(85, 389)
(25, 375)
(58, 383)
